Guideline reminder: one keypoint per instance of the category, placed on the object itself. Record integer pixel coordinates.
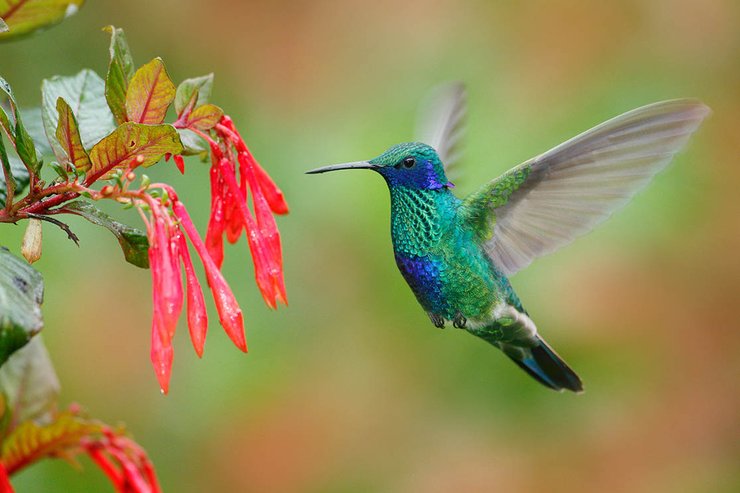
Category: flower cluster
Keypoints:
(123, 461)
(236, 175)
(168, 220)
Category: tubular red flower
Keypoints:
(180, 163)
(216, 223)
(161, 355)
(167, 292)
(123, 461)
(267, 228)
(196, 305)
(273, 194)
(258, 246)
(229, 313)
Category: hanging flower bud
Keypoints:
(196, 305)
(31, 246)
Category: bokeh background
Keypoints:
(351, 389)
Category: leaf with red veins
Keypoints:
(149, 94)
(196, 305)
(229, 313)
(68, 134)
(204, 117)
(31, 441)
(132, 144)
(26, 16)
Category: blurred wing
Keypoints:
(441, 121)
(546, 202)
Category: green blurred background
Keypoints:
(351, 389)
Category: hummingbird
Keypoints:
(457, 254)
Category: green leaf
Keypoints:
(120, 71)
(26, 16)
(17, 132)
(201, 85)
(21, 295)
(19, 173)
(193, 144)
(149, 93)
(29, 383)
(85, 94)
(204, 117)
(133, 141)
(69, 137)
(9, 186)
(134, 242)
(24, 145)
(35, 126)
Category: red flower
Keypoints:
(5, 486)
(123, 461)
(235, 175)
(167, 248)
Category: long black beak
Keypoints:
(334, 167)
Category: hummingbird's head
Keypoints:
(410, 165)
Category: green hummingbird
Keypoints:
(457, 254)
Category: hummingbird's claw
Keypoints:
(459, 321)
(437, 320)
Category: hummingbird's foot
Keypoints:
(459, 321)
(437, 320)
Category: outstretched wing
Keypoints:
(546, 202)
(441, 121)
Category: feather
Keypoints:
(570, 189)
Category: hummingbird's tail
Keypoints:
(544, 365)
(514, 333)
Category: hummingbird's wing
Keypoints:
(441, 120)
(546, 202)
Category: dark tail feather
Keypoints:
(544, 365)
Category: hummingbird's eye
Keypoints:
(409, 162)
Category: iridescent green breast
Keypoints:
(440, 258)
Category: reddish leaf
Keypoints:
(68, 135)
(25, 16)
(204, 117)
(30, 441)
(149, 94)
(132, 141)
